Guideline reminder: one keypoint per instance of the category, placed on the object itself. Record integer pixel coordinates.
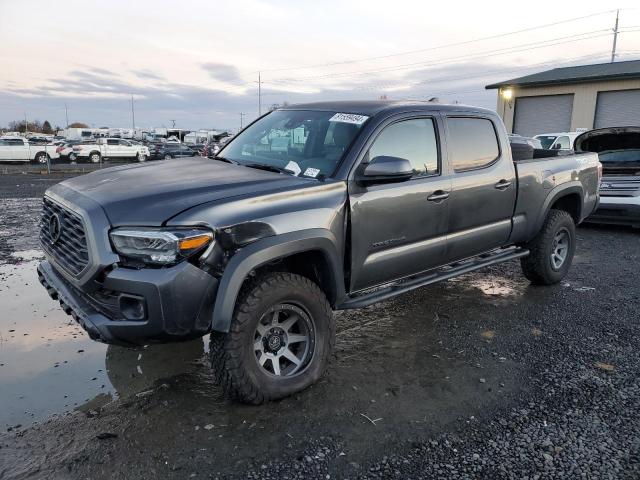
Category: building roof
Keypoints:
(577, 74)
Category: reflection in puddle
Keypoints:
(490, 285)
(48, 364)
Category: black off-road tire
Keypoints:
(233, 356)
(537, 266)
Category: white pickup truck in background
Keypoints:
(18, 149)
(110, 148)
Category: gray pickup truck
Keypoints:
(311, 208)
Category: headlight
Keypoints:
(160, 247)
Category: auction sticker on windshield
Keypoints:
(349, 118)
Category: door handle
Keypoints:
(502, 185)
(438, 195)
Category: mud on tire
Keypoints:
(238, 356)
(543, 265)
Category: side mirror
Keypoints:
(557, 146)
(385, 169)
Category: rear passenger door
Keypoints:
(484, 187)
(112, 148)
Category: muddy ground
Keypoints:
(484, 376)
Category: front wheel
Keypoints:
(280, 341)
(41, 158)
(551, 251)
(141, 157)
(167, 157)
(94, 157)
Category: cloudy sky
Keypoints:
(197, 62)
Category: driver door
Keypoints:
(400, 229)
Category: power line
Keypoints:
(502, 51)
(438, 47)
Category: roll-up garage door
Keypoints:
(619, 108)
(543, 114)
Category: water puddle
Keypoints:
(49, 365)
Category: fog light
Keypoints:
(132, 307)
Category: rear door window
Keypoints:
(473, 142)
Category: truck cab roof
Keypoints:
(375, 107)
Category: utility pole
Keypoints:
(615, 38)
(133, 117)
(66, 115)
(174, 123)
(241, 115)
(26, 125)
(259, 95)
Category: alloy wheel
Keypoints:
(284, 340)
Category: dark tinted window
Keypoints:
(15, 141)
(172, 146)
(472, 142)
(112, 142)
(414, 140)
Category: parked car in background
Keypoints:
(197, 147)
(619, 151)
(519, 139)
(259, 246)
(112, 148)
(18, 149)
(66, 149)
(171, 150)
(211, 149)
(557, 141)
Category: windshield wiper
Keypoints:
(224, 159)
(268, 168)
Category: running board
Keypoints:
(433, 276)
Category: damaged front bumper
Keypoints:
(137, 307)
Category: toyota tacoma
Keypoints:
(311, 208)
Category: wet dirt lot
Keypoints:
(483, 376)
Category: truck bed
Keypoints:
(537, 180)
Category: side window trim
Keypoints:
(495, 132)
(436, 135)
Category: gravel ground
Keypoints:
(483, 376)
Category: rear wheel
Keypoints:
(141, 157)
(73, 157)
(167, 157)
(280, 339)
(551, 250)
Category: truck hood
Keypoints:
(617, 147)
(153, 192)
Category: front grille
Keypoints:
(619, 187)
(70, 249)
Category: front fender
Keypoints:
(265, 251)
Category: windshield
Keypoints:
(305, 143)
(546, 140)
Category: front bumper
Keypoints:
(617, 211)
(177, 303)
